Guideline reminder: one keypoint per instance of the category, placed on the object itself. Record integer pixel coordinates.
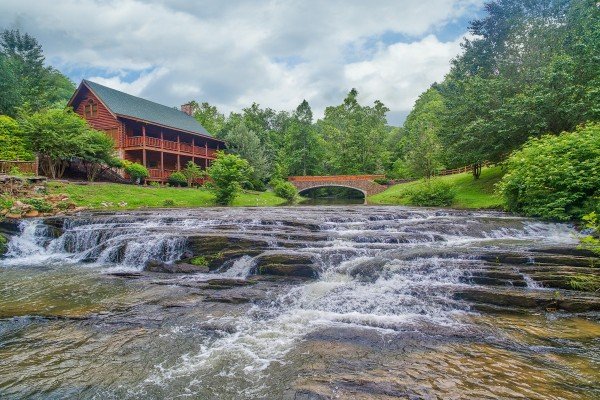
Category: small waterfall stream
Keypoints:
(390, 282)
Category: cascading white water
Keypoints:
(383, 272)
(107, 243)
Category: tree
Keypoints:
(209, 117)
(303, 147)
(10, 98)
(227, 173)
(12, 146)
(192, 172)
(97, 153)
(422, 148)
(355, 136)
(533, 68)
(56, 136)
(246, 144)
(31, 82)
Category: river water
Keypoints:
(403, 303)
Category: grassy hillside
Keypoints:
(93, 195)
(470, 193)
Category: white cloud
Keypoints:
(229, 53)
(400, 72)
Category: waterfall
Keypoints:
(106, 243)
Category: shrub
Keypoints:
(591, 242)
(284, 189)
(137, 172)
(12, 145)
(177, 179)
(432, 193)
(168, 203)
(382, 181)
(192, 172)
(227, 173)
(154, 184)
(40, 205)
(555, 177)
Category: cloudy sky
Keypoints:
(232, 53)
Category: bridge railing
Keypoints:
(334, 178)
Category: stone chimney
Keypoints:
(187, 108)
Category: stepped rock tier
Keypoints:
(297, 303)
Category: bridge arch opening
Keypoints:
(333, 194)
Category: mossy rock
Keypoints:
(3, 244)
(300, 270)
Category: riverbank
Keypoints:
(116, 195)
(470, 193)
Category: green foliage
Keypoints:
(59, 135)
(422, 147)
(354, 137)
(432, 193)
(25, 77)
(532, 68)
(5, 203)
(192, 171)
(12, 145)
(592, 241)
(97, 153)
(303, 147)
(168, 203)
(40, 205)
(227, 173)
(586, 283)
(178, 179)
(200, 261)
(284, 189)
(137, 172)
(209, 117)
(382, 181)
(246, 144)
(555, 177)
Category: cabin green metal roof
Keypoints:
(126, 105)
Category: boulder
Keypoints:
(307, 271)
(181, 268)
(286, 264)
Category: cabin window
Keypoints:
(91, 109)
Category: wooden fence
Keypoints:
(26, 167)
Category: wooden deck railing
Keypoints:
(168, 145)
(26, 167)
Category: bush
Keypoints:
(178, 179)
(432, 193)
(382, 181)
(555, 177)
(137, 172)
(285, 190)
(40, 205)
(12, 145)
(227, 173)
(168, 203)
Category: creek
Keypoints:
(349, 302)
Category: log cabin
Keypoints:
(163, 139)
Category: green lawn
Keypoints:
(93, 195)
(470, 193)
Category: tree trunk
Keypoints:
(476, 170)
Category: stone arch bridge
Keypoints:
(363, 183)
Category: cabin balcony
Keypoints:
(148, 142)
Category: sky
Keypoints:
(233, 53)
